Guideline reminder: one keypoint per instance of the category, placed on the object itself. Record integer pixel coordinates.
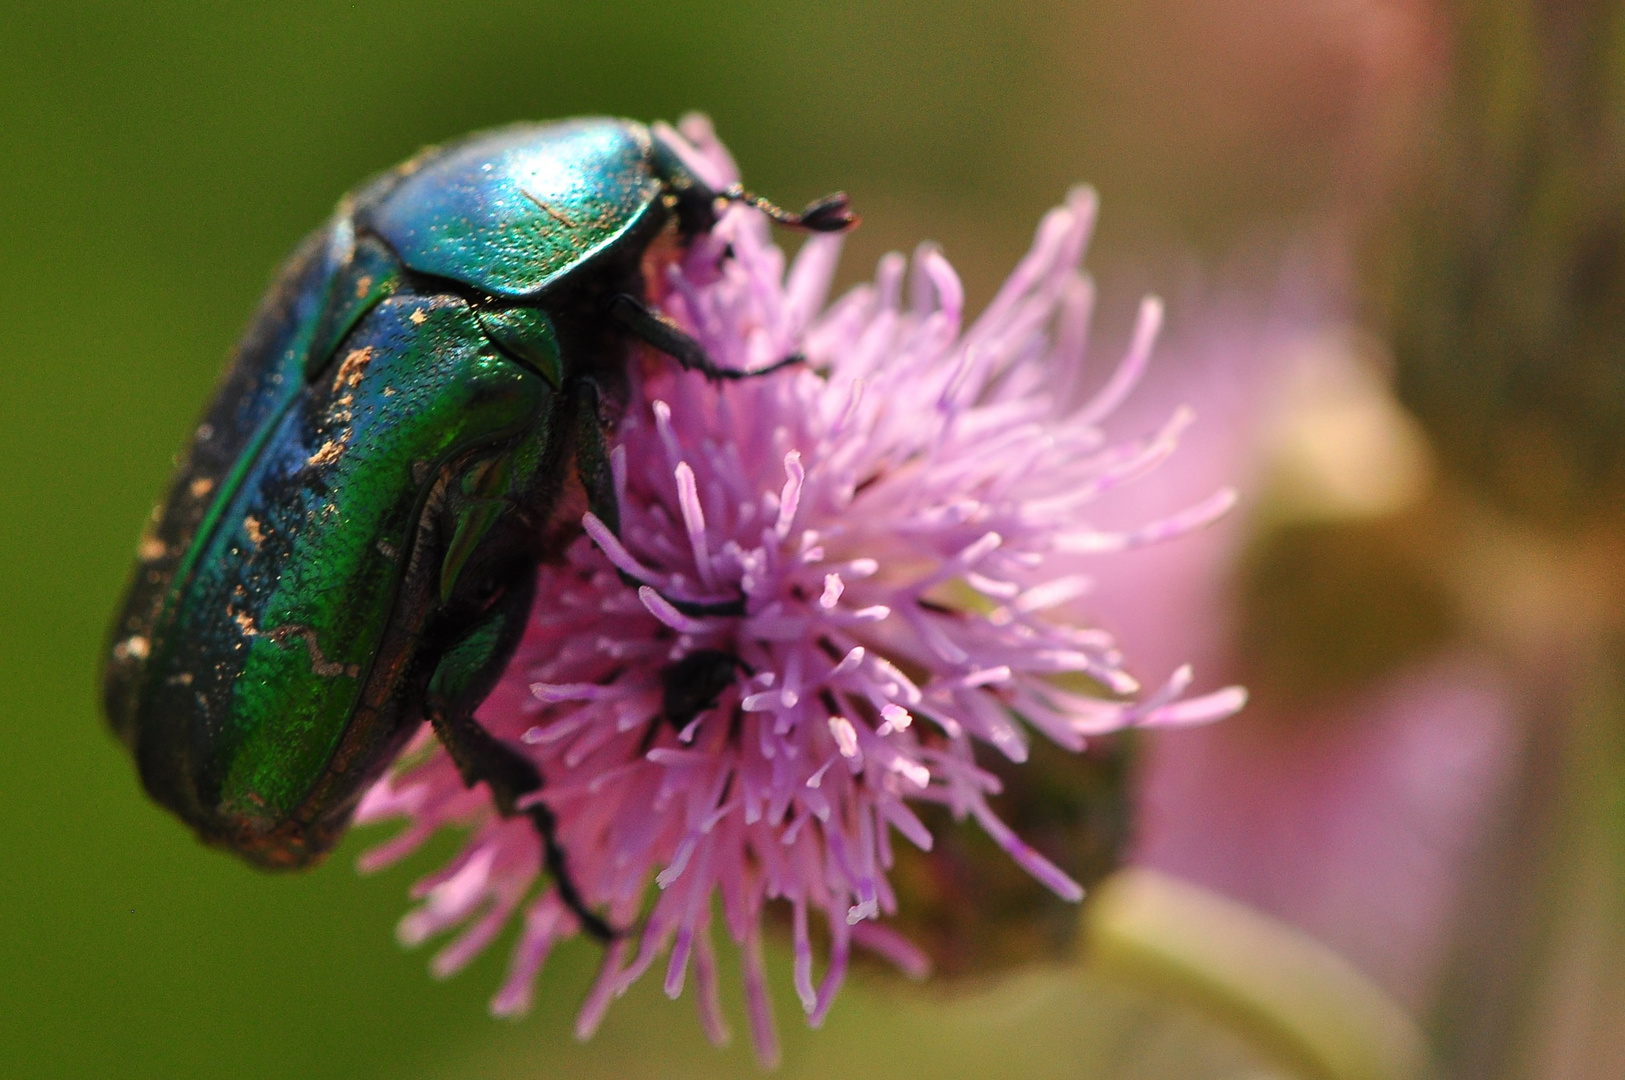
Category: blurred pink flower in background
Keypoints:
(1358, 821)
(909, 519)
(1359, 810)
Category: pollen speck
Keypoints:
(137, 647)
(330, 452)
(354, 366)
(200, 487)
(418, 318)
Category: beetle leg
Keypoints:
(461, 679)
(653, 328)
(511, 776)
(592, 456)
(592, 466)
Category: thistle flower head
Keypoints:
(907, 517)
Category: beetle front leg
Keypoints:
(654, 329)
(460, 681)
(592, 465)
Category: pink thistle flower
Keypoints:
(907, 519)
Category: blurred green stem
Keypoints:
(1292, 998)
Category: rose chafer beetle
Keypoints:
(414, 421)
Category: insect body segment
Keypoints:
(349, 546)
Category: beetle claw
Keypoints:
(553, 854)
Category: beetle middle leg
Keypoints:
(462, 678)
(653, 328)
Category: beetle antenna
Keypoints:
(832, 213)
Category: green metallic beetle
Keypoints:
(414, 421)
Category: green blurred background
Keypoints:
(159, 159)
